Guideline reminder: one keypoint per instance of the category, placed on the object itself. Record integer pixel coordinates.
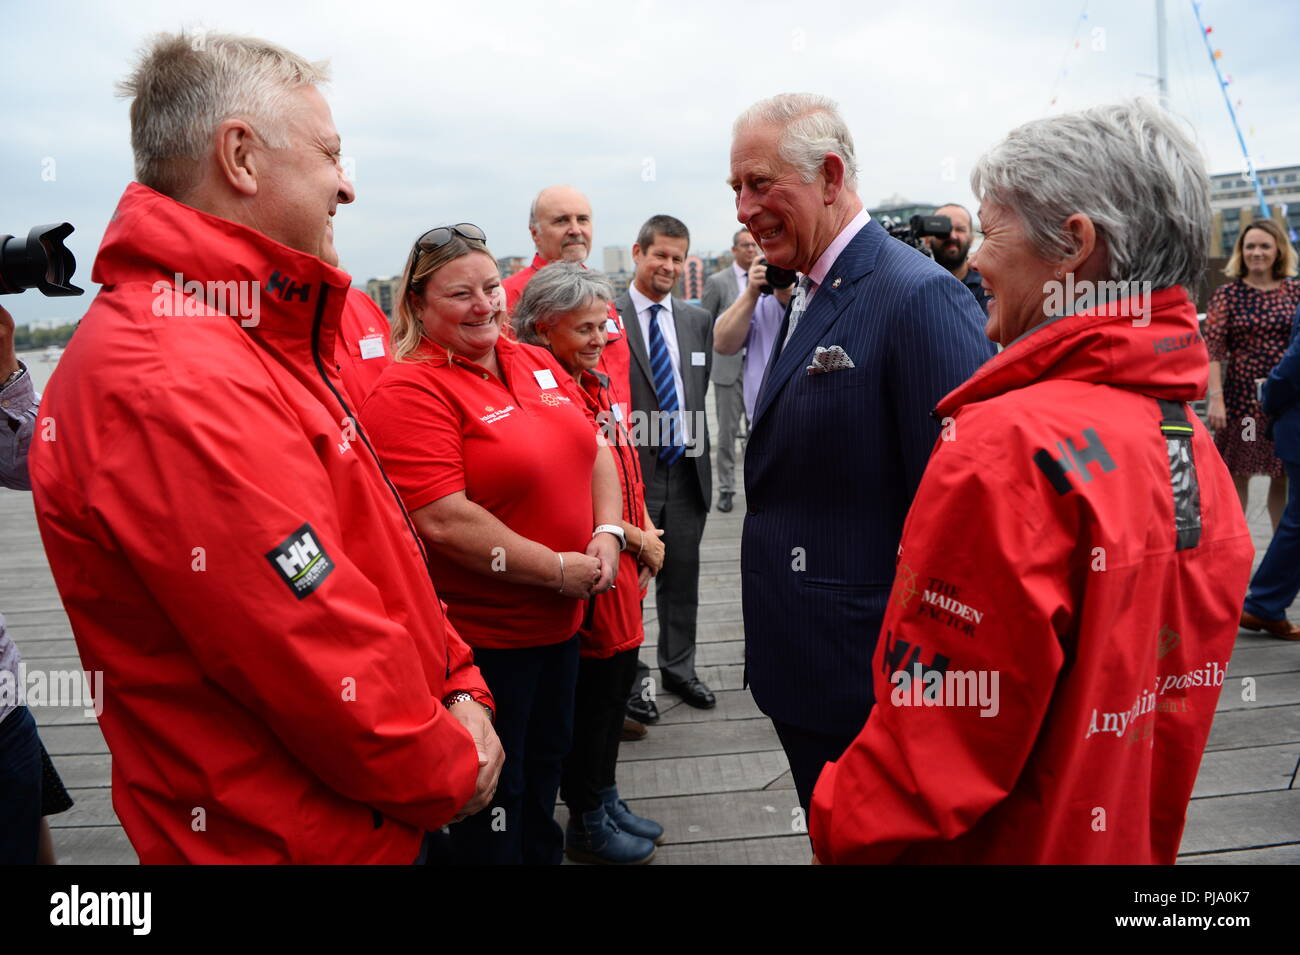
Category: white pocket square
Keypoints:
(829, 359)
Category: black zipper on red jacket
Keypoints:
(317, 322)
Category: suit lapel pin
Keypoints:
(836, 283)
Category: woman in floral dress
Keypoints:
(1247, 330)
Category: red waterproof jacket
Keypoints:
(612, 622)
(1081, 544)
(233, 559)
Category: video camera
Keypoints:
(777, 278)
(41, 261)
(915, 230)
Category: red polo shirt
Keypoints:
(615, 361)
(361, 350)
(522, 448)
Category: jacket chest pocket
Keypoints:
(829, 382)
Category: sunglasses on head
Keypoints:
(436, 238)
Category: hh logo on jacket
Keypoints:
(300, 561)
(1072, 458)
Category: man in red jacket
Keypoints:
(1073, 564)
(560, 223)
(281, 683)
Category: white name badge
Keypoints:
(611, 326)
(618, 410)
(545, 379)
(372, 346)
(697, 359)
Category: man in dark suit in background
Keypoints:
(1277, 580)
(875, 335)
(672, 349)
(720, 291)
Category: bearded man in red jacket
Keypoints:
(1073, 564)
(280, 681)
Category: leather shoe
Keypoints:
(724, 501)
(632, 730)
(627, 820)
(642, 711)
(596, 839)
(1279, 628)
(693, 693)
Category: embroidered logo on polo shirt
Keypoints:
(301, 562)
(551, 400)
(495, 415)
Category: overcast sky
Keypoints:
(451, 113)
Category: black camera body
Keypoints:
(777, 278)
(916, 229)
(40, 261)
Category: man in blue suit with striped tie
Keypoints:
(672, 351)
(875, 335)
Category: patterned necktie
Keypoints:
(661, 370)
(801, 293)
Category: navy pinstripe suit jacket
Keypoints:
(831, 466)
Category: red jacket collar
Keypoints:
(1154, 349)
(154, 239)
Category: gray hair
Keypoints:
(1129, 168)
(185, 85)
(556, 290)
(811, 127)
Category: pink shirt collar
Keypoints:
(818, 274)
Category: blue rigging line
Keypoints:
(1223, 86)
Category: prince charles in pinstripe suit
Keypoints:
(876, 334)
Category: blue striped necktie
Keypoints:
(661, 369)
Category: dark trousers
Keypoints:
(808, 752)
(676, 506)
(20, 788)
(1277, 581)
(603, 687)
(533, 688)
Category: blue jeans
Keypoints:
(1277, 581)
(20, 788)
(534, 692)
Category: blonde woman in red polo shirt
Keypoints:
(564, 309)
(493, 450)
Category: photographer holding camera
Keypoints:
(953, 250)
(752, 322)
(30, 788)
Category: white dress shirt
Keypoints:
(668, 328)
(742, 278)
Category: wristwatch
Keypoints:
(612, 529)
(463, 696)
